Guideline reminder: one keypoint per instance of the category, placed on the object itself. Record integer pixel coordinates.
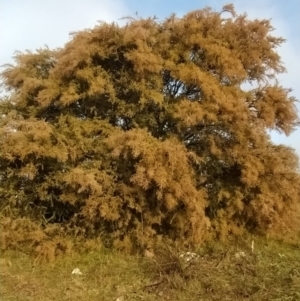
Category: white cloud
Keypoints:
(32, 24)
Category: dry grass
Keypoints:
(271, 272)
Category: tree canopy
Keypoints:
(154, 129)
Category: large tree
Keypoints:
(152, 129)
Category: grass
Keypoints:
(222, 272)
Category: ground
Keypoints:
(232, 271)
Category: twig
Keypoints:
(153, 284)
(223, 257)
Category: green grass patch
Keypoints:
(221, 272)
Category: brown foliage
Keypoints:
(147, 131)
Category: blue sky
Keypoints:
(31, 24)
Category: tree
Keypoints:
(149, 130)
